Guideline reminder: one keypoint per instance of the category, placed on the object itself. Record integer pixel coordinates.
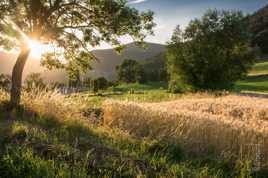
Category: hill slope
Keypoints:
(108, 60)
(259, 27)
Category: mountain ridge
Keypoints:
(105, 66)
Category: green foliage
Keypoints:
(34, 81)
(258, 23)
(99, 84)
(5, 81)
(212, 53)
(23, 163)
(74, 78)
(130, 71)
(155, 68)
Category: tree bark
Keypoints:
(15, 95)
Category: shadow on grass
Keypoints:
(106, 152)
(71, 140)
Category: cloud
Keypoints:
(136, 1)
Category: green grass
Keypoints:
(257, 80)
(150, 92)
(49, 136)
(259, 69)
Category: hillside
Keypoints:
(109, 59)
(7, 61)
(259, 26)
(105, 66)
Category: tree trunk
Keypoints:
(17, 76)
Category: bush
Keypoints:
(99, 84)
(212, 53)
(5, 81)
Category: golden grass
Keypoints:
(53, 106)
(228, 126)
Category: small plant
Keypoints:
(5, 81)
(34, 81)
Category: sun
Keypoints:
(37, 49)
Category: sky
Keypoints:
(170, 13)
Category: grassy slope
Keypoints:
(257, 81)
(51, 136)
(151, 92)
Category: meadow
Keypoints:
(136, 130)
(257, 80)
(200, 135)
(75, 123)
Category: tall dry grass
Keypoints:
(47, 104)
(235, 127)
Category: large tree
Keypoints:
(72, 27)
(212, 53)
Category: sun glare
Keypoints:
(37, 49)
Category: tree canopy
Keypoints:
(130, 71)
(212, 53)
(71, 27)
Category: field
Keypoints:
(137, 130)
(221, 126)
(257, 80)
(199, 135)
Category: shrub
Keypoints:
(212, 53)
(99, 84)
(5, 81)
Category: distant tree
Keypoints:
(97, 84)
(155, 68)
(130, 71)
(212, 53)
(33, 81)
(258, 23)
(86, 82)
(101, 83)
(74, 78)
(71, 26)
(94, 86)
(5, 81)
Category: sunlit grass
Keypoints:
(257, 80)
(260, 68)
(221, 126)
(51, 135)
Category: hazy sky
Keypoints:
(170, 13)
